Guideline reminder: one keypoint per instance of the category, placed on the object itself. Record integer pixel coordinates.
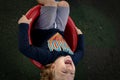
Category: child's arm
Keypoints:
(79, 53)
(37, 53)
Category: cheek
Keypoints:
(74, 68)
(63, 65)
(60, 62)
(60, 67)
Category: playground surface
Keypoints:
(99, 21)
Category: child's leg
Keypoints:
(47, 15)
(62, 15)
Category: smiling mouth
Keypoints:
(68, 62)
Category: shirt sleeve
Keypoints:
(79, 53)
(36, 53)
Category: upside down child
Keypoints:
(52, 51)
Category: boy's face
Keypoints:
(64, 68)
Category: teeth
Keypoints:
(67, 62)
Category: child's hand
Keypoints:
(78, 30)
(24, 19)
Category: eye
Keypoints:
(65, 72)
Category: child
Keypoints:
(52, 50)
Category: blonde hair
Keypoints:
(47, 73)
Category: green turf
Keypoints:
(99, 31)
(98, 28)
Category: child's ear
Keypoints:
(53, 66)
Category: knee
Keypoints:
(63, 4)
(50, 3)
